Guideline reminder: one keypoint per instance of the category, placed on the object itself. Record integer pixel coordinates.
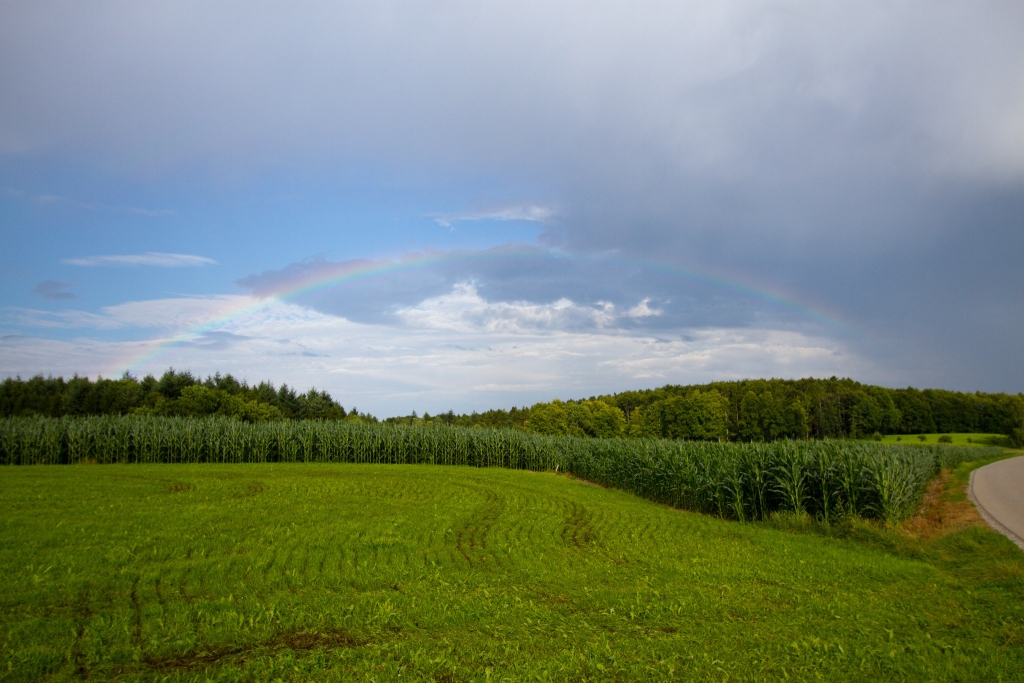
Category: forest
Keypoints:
(745, 410)
(174, 394)
(760, 410)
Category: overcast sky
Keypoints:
(462, 205)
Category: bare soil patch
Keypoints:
(942, 511)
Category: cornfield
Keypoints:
(826, 479)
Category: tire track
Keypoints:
(137, 613)
(471, 540)
(83, 614)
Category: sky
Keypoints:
(455, 205)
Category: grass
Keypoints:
(303, 572)
(973, 439)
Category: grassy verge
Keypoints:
(948, 534)
(369, 572)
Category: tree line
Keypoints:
(759, 410)
(745, 410)
(174, 394)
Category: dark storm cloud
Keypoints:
(869, 154)
(623, 97)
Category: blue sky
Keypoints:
(532, 199)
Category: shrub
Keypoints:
(922, 438)
(945, 438)
(877, 436)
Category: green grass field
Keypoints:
(998, 440)
(315, 572)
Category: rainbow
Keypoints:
(331, 275)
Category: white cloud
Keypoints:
(642, 310)
(454, 352)
(168, 314)
(53, 198)
(150, 258)
(528, 212)
(141, 211)
(464, 310)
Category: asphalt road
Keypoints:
(998, 491)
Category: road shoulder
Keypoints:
(991, 502)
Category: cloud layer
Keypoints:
(738, 165)
(690, 86)
(530, 213)
(150, 258)
(643, 292)
(454, 351)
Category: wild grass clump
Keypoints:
(826, 479)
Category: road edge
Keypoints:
(987, 516)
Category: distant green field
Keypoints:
(316, 572)
(1000, 440)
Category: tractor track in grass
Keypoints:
(296, 641)
(83, 614)
(136, 614)
(471, 540)
(482, 569)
